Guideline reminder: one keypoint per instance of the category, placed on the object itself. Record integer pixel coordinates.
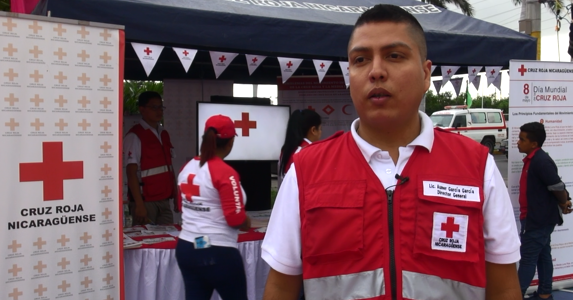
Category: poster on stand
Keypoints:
(60, 126)
(543, 92)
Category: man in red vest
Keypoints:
(393, 209)
(148, 151)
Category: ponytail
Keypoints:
(208, 145)
(299, 123)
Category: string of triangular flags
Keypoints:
(493, 75)
(148, 54)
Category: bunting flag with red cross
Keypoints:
(288, 66)
(473, 73)
(491, 73)
(253, 62)
(221, 60)
(447, 73)
(186, 56)
(148, 55)
(321, 67)
(457, 83)
(345, 72)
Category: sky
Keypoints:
(502, 12)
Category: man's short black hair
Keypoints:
(146, 96)
(535, 132)
(395, 14)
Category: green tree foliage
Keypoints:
(4, 5)
(438, 102)
(464, 5)
(132, 89)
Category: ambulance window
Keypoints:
(460, 121)
(493, 117)
(478, 117)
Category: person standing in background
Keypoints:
(148, 152)
(213, 205)
(304, 127)
(542, 195)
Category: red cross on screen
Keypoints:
(245, 124)
(52, 171)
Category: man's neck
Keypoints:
(391, 138)
(154, 125)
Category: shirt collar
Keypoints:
(529, 156)
(424, 139)
(146, 126)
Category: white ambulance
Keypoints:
(484, 125)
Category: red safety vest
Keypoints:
(155, 165)
(423, 241)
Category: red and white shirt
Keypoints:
(213, 202)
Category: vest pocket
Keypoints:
(333, 222)
(449, 226)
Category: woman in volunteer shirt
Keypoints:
(304, 127)
(213, 206)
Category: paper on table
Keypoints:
(255, 223)
(260, 214)
(161, 227)
(129, 243)
(157, 240)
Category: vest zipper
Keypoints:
(390, 194)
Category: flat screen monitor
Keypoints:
(260, 128)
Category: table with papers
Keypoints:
(151, 271)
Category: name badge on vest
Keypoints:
(450, 232)
(451, 191)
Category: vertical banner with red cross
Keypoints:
(60, 125)
(330, 99)
(542, 92)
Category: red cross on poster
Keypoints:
(52, 171)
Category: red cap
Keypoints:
(224, 126)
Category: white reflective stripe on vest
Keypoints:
(361, 285)
(425, 287)
(155, 171)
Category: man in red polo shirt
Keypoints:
(541, 195)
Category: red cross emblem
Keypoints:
(450, 227)
(52, 171)
(245, 124)
(289, 64)
(185, 52)
(449, 71)
(311, 108)
(189, 189)
(492, 71)
(222, 58)
(147, 51)
(255, 60)
(522, 70)
(473, 71)
(322, 65)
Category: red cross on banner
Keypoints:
(52, 171)
(186, 56)
(321, 67)
(448, 72)
(148, 55)
(288, 66)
